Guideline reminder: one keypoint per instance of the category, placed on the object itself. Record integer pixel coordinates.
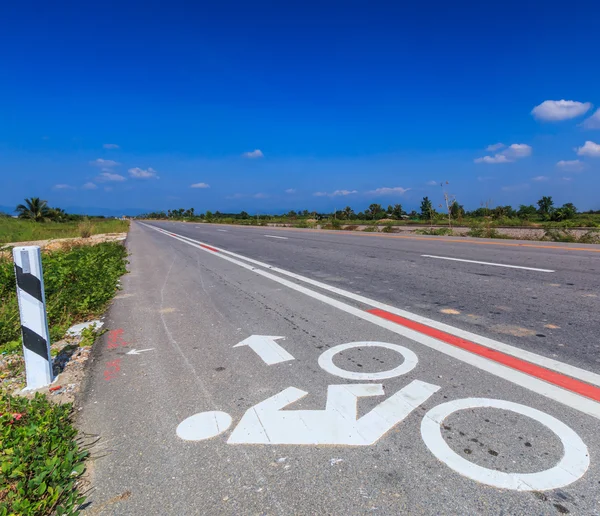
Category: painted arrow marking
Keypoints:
(266, 348)
(267, 423)
(138, 351)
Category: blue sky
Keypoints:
(270, 106)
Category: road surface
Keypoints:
(257, 370)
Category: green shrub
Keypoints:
(333, 224)
(40, 460)
(558, 234)
(79, 283)
(350, 227)
(371, 229)
(388, 228)
(434, 231)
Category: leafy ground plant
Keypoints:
(40, 459)
(79, 284)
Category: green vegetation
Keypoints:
(484, 217)
(19, 230)
(434, 231)
(79, 284)
(40, 459)
(38, 221)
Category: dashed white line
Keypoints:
(486, 263)
(273, 236)
(222, 230)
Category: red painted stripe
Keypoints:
(209, 248)
(560, 380)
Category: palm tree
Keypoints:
(374, 210)
(34, 209)
(348, 212)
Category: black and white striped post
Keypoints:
(34, 323)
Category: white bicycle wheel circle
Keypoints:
(326, 361)
(571, 467)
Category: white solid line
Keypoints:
(273, 236)
(549, 363)
(486, 263)
(222, 230)
(549, 390)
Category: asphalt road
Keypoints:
(478, 393)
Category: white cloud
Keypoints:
(517, 150)
(109, 176)
(495, 147)
(63, 187)
(388, 191)
(256, 153)
(497, 158)
(589, 149)
(89, 186)
(108, 188)
(511, 153)
(567, 179)
(336, 193)
(556, 110)
(481, 179)
(290, 190)
(105, 163)
(432, 183)
(110, 146)
(260, 196)
(539, 178)
(573, 165)
(200, 185)
(140, 173)
(592, 122)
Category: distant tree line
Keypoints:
(545, 211)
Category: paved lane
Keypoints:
(550, 313)
(375, 419)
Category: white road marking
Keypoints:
(266, 348)
(572, 466)
(326, 361)
(536, 385)
(486, 263)
(273, 236)
(203, 425)
(266, 423)
(138, 351)
(222, 230)
(549, 363)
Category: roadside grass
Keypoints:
(41, 459)
(79, 283)
(19, 230)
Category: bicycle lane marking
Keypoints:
(549, 363)
(534, 384)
